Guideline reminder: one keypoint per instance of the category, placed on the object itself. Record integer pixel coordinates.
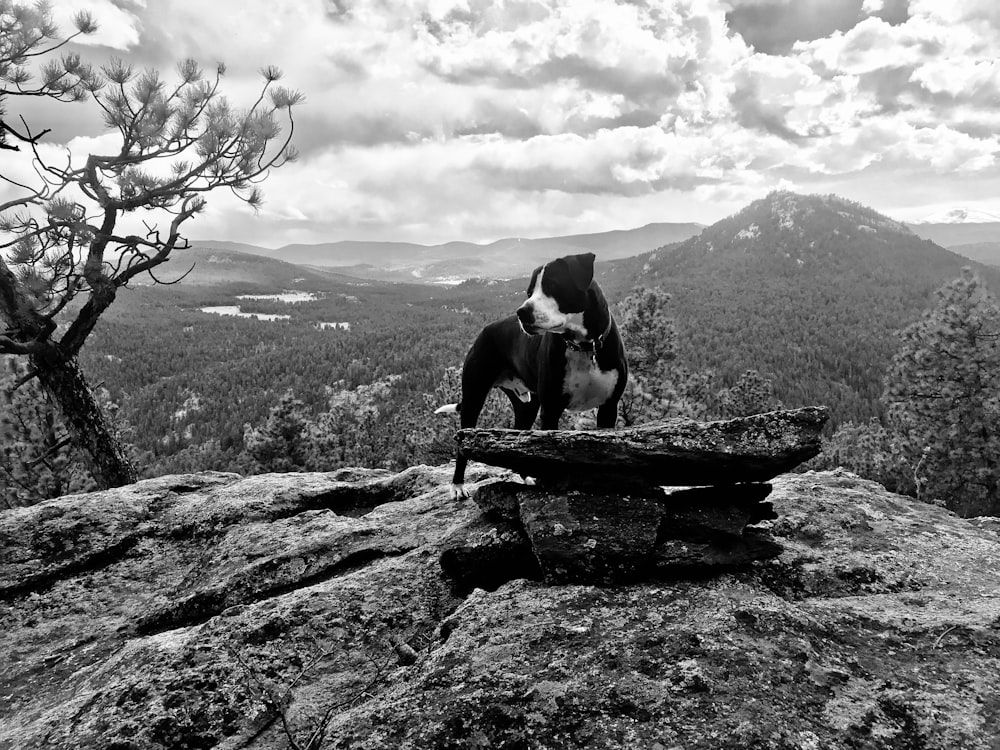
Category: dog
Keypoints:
(560, 350)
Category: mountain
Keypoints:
(952, 234)
(233, 262)
(969, 232)
(454, 261)
(808, 290)
(982, 252)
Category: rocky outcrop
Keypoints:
(213, 611)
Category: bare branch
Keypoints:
(175, 281)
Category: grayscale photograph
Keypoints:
(499, 375)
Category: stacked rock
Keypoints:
(606, 507)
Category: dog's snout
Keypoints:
(526, 315)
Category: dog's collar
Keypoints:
(591, 346)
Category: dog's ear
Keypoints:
(581, 269)
(534, 278)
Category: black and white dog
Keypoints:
(561, 350)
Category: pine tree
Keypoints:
(942, 399)
(870, 451)
(27, 32)
(179, 140)
(751, 394)
(658, 386)
(286, 441)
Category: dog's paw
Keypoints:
(459, 492)
(530, 481)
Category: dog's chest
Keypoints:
(586, 384)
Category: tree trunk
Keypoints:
(62, 378)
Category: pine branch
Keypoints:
(51, 452)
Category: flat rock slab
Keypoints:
(675, 452)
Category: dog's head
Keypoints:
(558, 296)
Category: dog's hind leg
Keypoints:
(524, 411)
(524, 416)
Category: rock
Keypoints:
(875, 627)
(584, 537)
(676, 452)
(501, 500)
(486, 554)
(599, 514)
(675, 558)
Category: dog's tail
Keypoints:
(449, 409)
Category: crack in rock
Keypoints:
(202, 606)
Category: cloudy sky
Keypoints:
(434, 120)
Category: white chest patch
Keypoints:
(586, 384)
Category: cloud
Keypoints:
(636, 49)
(937, 66)
(960, 78)
(774, 26)
(436, 119)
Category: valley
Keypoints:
(808, 290)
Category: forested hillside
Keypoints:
(809, 290)
(188, 379)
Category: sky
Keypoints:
(437, 120)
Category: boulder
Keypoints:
(595, 536)
(675, 452)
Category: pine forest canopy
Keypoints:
(68, 240)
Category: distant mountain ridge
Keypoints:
(981, 252)
(504, 258)
(954, 234)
